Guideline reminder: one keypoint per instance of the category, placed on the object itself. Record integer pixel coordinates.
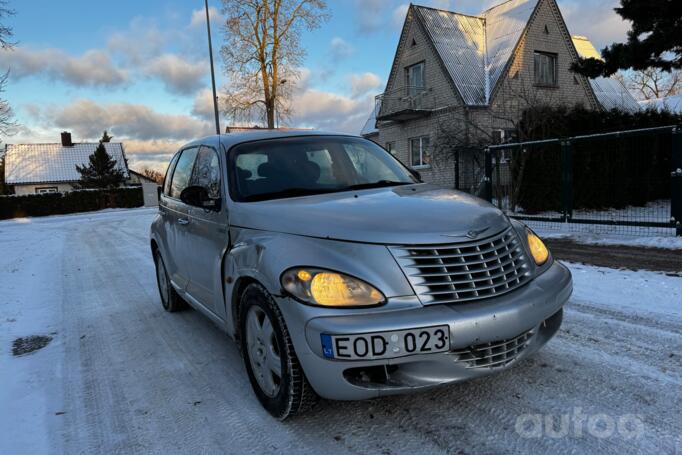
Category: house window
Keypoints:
(420, 152)
(390, 147)
(545, 69)
(415, 78)
(47, 189)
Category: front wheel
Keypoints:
(271, 363)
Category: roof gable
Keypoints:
(459, 40)
(43, 163)
(475, 50)
(505, 23)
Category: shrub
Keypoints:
(608, 172)
(71, 202)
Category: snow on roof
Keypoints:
(610, 92)
(371, 123)
(504, 25)
(460, 42)
(475, 49)
(669, 103)
(43, 163)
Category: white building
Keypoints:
(51, 168)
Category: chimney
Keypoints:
(66, 139)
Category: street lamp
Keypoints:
(210, 56)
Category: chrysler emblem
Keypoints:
(473, 233)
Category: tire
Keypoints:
(271, 363)
(170, 299)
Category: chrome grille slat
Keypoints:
(494, 354)
(460, 272)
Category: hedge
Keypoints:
(71, 202)
(613, 172)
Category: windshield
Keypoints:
(309, 165)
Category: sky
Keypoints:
(139, 69)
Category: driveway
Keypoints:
(122, 376)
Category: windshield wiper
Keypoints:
(289, 192)
(377, 184)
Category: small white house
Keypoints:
(51, 168)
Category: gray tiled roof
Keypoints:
(475, 49)
(610, 92)
(42, 163)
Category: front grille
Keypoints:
(459, 272)
(495, 354)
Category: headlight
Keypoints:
(330, 289)
(537, 248)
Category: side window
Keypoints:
(169, 174)
(207, 172)
(183, 172)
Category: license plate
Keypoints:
(387, 345)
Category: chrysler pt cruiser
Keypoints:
(341, 275)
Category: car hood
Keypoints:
(404, 215)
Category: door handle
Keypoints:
(183, 221)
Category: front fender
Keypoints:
(263, 256)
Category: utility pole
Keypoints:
(210, 55)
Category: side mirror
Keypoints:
(197, 196)
(416, 174)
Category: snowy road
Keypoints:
(122, 376)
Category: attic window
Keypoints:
(546, 30)
(414, 42)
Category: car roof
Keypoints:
(231, 139)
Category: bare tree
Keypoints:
(153, 174)
(262, 52)
(652, 83)
(7, 123)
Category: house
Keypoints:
(51, 168)
(137, 178)
(459, 80)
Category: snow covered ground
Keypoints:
(122, 376)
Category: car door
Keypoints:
(177, 218)
(208, 234)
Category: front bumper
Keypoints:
(532, 312)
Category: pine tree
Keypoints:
(102, 171)
(654, 41)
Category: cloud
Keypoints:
(363, 83)
(178, 75)
(88, 119)
(340, 49)
(370, 15)
(203, 105)
(141, 41)
(198, 19)
(330, 111)
(93, 68)
(399, 14)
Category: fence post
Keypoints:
(676, 180)
(567, 179)
(488, 179)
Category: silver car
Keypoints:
(341, 275)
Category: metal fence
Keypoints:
(628, 182)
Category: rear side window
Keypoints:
(207, 172)
(183, 172)
(169, 174)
